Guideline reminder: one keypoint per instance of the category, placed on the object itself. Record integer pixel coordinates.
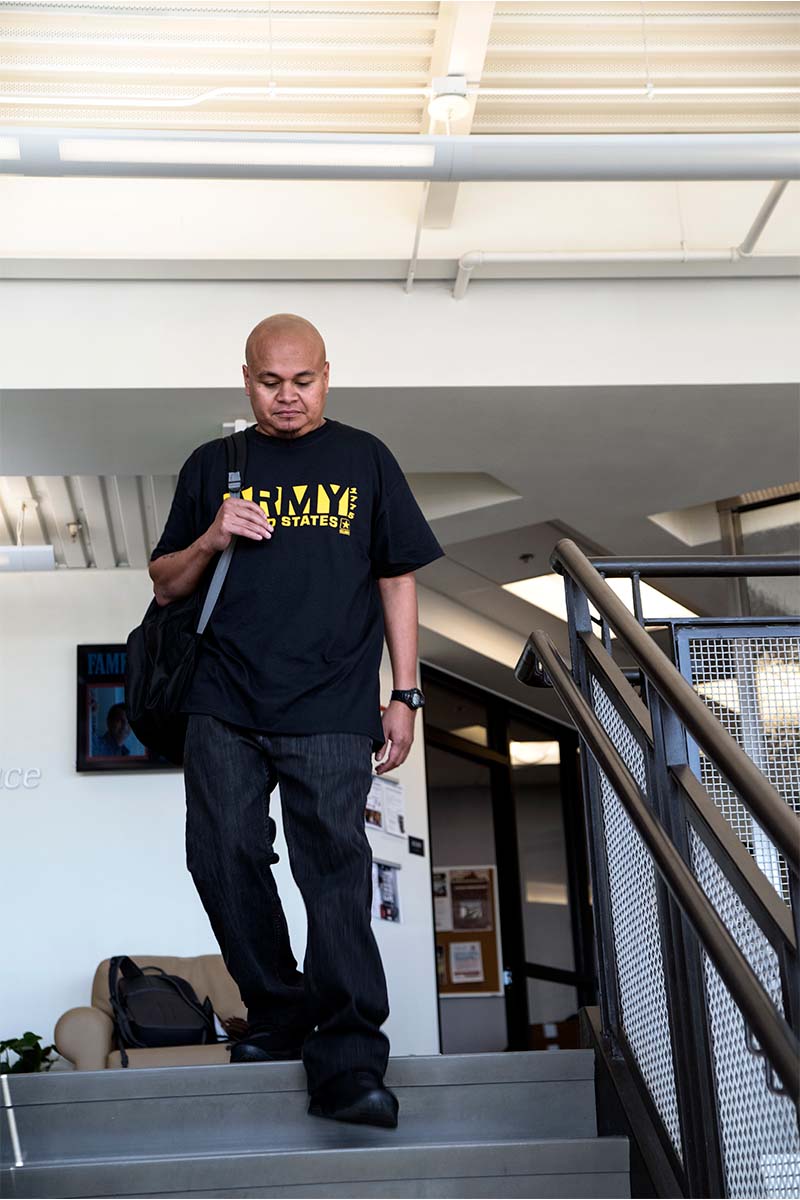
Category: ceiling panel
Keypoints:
(631, 65)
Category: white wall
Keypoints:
(97, 217)
(94, 864)
(94, 334)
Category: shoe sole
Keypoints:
(364, 1112)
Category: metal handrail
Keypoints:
(772, 1031)
(721, 566)
(757, 793)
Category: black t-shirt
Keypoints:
(295, 640)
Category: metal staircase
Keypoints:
(692, 787)
(470, 1125)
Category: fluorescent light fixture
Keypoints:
(27, 558)
(697, 525)
(547, 592)
(638, 90)
(778, 692)
(537, 892)
(535, 754)
(245, 154)
(471, 733)
(724, 692)
(9, 148)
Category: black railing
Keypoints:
(697, 952)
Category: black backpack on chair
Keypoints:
(162, 651)
(156, 1010)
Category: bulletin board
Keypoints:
(467, 931)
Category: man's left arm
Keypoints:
(399, 599)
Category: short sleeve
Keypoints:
(183, 523)
(402, 540)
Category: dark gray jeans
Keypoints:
(324, 778)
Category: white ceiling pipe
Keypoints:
(476, 258)
(764, 213)
(468, 158)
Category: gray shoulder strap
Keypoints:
(233, 446)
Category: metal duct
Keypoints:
(471, 158)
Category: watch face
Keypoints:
(417, 699)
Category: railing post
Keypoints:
(580, 621)
(683, 972)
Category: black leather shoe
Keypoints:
(267, 1047)
(358, 1097)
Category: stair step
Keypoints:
(224, 1078)
(483, 1125)
(575, 1167)
(233, 1108)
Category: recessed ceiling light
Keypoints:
(534, 754)
(721, 691)
(547, 592)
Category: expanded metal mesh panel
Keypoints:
(760, 1144)
(752, 684)
(637, 941)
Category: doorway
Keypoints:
(512, 906)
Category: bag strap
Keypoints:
(129, 970)
(236, 451)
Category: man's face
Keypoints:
(287, 383)
(119, 727)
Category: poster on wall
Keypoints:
(105, 740)
(386, 806)
(385, 892)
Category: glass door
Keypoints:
(551, 872)
(510, 880)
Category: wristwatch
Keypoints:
(413, 697)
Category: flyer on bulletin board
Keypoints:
(471, 899)
(466, 962)
(442, 910)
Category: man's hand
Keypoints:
(178, 574)
(398, 728)
(235, 516)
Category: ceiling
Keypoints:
(364, 66)
(532, 67)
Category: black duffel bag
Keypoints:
(156, 1010)
(162, 651)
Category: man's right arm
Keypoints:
(178, 574)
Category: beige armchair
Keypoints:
(85, 1036)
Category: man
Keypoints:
(286, 690)
(112, 742)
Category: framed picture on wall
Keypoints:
(105, 740)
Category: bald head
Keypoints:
(286, 375)
(284, 327)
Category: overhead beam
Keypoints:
(462, 38)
